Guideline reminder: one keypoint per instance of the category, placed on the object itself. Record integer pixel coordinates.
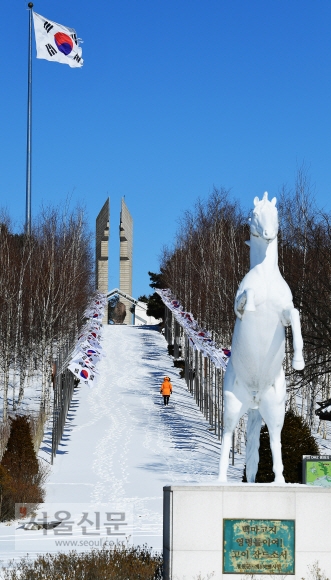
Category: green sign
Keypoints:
(317, 470)
(258, 546)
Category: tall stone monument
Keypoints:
(126, 246)
(101, 249)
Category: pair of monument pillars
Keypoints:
(102, 254)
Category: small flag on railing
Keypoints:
(56, 42)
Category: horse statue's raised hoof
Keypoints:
(298, 364)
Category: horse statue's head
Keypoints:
(264, 220)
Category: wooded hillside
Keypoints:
(209, 258)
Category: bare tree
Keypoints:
(209, 258)
(45, 284)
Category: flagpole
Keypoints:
(29, 132)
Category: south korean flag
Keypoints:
(56, 42)
(85, 375)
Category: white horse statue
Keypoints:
(255, 378)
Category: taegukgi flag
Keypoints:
(56, 42)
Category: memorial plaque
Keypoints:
(317, 470)
(258, 546)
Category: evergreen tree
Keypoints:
(143, 298)
(155, 306)
(20, 459)
(157, 280)
(20, 477)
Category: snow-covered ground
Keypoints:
(120, 447)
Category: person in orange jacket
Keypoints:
(166, 390)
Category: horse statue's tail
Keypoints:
(253, 444)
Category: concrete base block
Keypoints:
(193, 526)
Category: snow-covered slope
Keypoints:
(121, 445)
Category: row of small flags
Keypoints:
(56, 42)
(199, 338)
(88, 350)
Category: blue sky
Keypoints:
(175, 96)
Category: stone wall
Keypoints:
(193, 525)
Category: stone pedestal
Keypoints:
(193, 520)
